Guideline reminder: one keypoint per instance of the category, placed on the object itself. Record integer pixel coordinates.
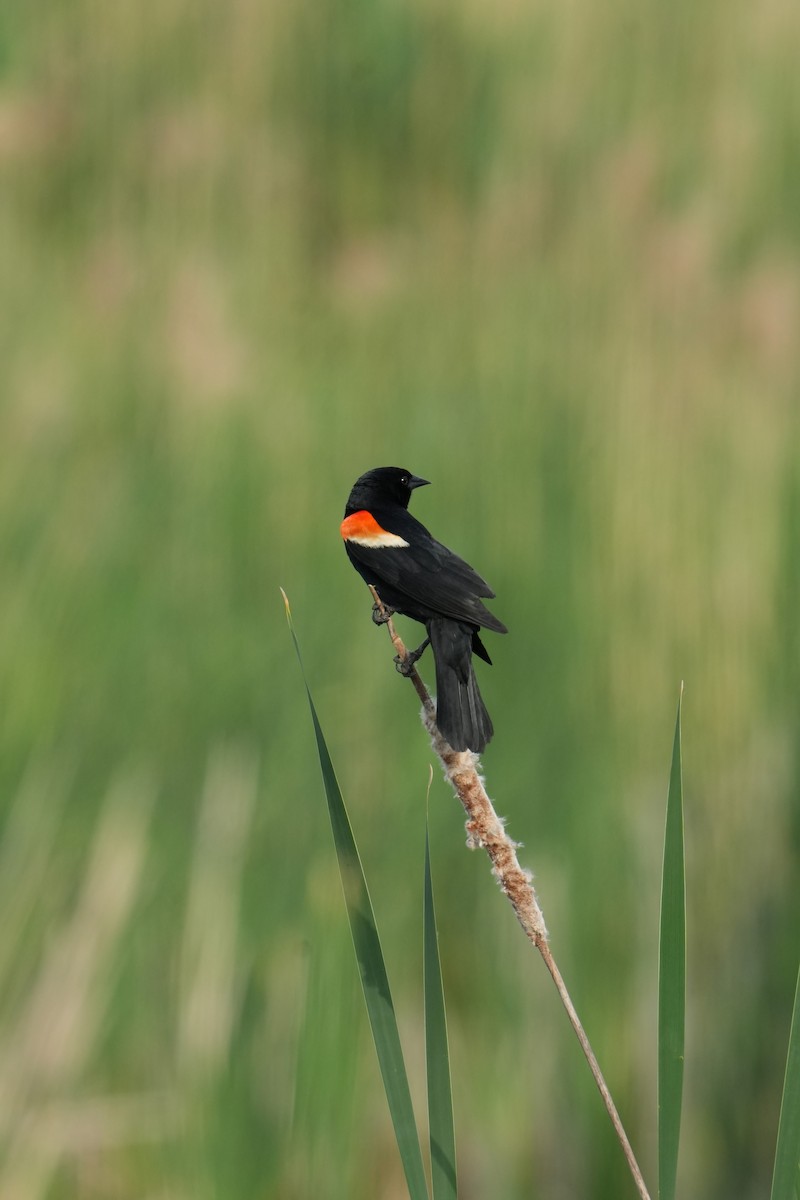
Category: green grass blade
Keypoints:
(786, 1175)
(672, 979)
(440, 1096)
(372, 968)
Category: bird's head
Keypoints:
(382, 486)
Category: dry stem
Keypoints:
(486, 829)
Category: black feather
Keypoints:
(460, 712)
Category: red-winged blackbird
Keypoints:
(419, 577)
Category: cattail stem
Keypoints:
(486, 829)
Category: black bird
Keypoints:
(419, 577)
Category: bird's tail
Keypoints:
(460, 712)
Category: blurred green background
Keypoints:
(547, 256)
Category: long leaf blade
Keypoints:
(372, 968)
(672, 978)
(786, 1174)
(440, 1097)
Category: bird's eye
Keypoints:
(404, 480)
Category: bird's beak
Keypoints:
(415, 482)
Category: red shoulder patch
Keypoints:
(361, 527)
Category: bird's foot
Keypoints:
(381, 613)
(406, 665)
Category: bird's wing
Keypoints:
(430, 574)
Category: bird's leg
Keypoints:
(381, 613)
(406, 665)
